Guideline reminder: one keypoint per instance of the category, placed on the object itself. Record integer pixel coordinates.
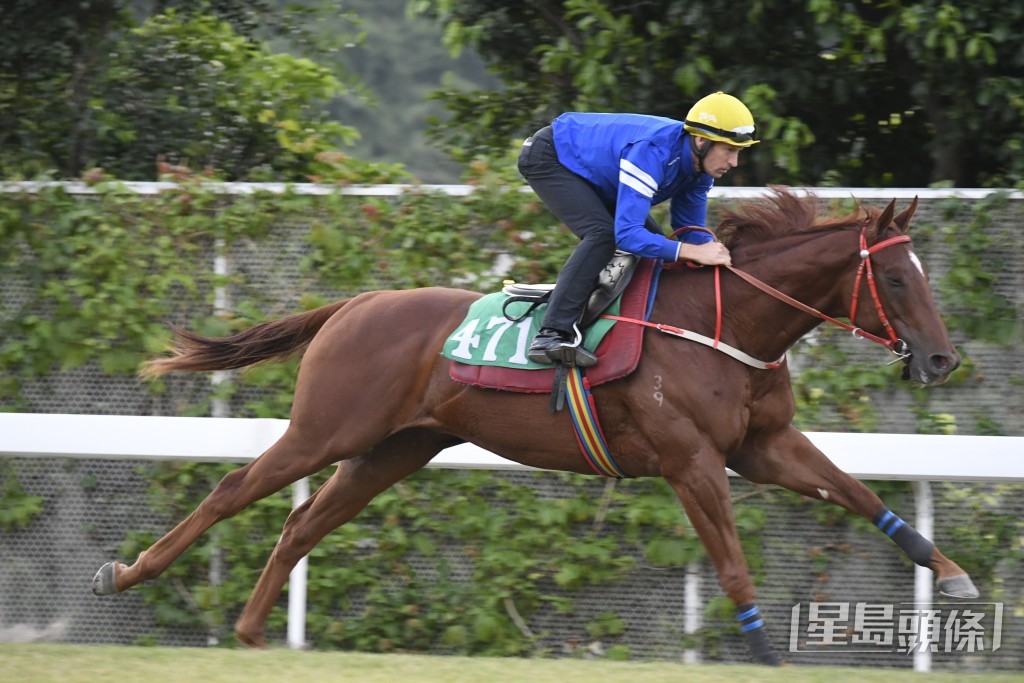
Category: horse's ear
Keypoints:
(903, 219)
(886, 218)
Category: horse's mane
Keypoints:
(784, 213)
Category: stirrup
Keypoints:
(565, 356)
(568, 354)
(573, 353)
(546, 339)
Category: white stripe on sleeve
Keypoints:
(634, 170)
(632, 182)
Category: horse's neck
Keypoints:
(816, 269)
(809, 269)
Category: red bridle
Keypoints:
(893, 343)
(865, 268)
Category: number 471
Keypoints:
(469, 340)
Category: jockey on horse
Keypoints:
(601, 173)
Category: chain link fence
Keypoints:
(91, 505)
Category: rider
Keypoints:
(601, 173)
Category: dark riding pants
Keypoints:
(574, 202)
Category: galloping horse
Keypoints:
(374, 394)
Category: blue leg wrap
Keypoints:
(749, 617)
(917, 547)
(752, 626)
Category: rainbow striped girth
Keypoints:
(588, 430)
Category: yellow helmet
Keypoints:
(722, 118)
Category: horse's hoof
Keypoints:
(257, 641)
(959, 586)
(103, 582)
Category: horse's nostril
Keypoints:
(941, 362)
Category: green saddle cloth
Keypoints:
(487, 337)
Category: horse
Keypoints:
(374, 395)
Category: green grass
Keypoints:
(106, 664)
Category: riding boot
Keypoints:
(554, 346)
(559, 337)
(547, 339)
(568, 354)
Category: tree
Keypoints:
(961, 68)
(401, 60)
(192, 90)
(50, 56)
(855, 93)
(84, 84)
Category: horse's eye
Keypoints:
(894, 281)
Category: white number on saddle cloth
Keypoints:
(466, 339)
(469, 340)
(525, 329)
(502, 324)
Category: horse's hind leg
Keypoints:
(790, 460)
(288, 460)
(355, 483)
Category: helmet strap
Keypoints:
(700, 151)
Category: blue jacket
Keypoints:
(635, 161)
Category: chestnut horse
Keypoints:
(374, 394)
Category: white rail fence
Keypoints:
(906, 457)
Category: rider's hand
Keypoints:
(708, 254)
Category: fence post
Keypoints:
(297, 581)
(923, 578)
(219, 407)
(693, 609)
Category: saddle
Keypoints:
(610, 284)
(617, 352)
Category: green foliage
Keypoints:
(827, 383)
(195, 89)
(50, 56)
(989, 539)
(19, 508)
(854, 94)
(190, 89)
(103, 277)
(93, 278)
(974, 305)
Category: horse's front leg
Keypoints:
(703, 487)
(789, 459)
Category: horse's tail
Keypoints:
(270, 341)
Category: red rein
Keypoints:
(893, 343)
